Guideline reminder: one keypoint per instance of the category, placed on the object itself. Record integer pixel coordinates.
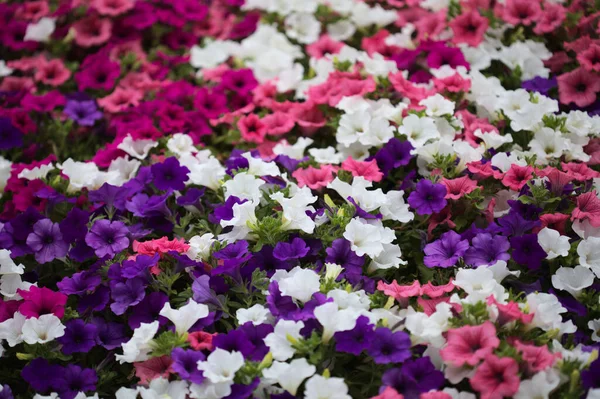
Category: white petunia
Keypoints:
(186, 316)
(244, 186)
(257, 314)
(137, 148)
(160, 388)
(279, 340)
(137, 349)
(220, 366)
(289, 375)
(553, 243)
(40, 31)
(437, 105)
(180, 144)
(42, 329)
(367, 238)
(418, 130)
(319, 387)
(11, 330)
(334, 319)
(200, 246)
(300, 284)
(573, 279)
(539, 386)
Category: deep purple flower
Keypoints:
(46, 241)
(10, 136)
(148, 310)
(202, 292)
(540, 84)
(192, 198)
(73, 379)
(279, 305)
(294, 250)
(356, 340)
(445, 251)
(230, 257)
(127, 294)
(110, 196)
(85, 113)
(170, 175)
(41, 375)
(107, 238)
(389, 347)
(225, 210)
(79, 283)
(96, 301)
(413, 378)
(234, 340)
(135, 267)
(590, 377)
(256, 335)
(487, 249)
(428, 197)
(514, 224)
(142, 205)
(74, 225)
(6, 392)
(527, 251)
(110, 335)
(341, 254)
(185, 363)
(79, 337)
(393, 154)
(239, 81)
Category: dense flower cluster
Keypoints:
(318, 199)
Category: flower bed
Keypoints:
(311, 198)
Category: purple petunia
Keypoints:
(527, 251)
(445, 251)
(185, 363)
(487, 249)
(85, 113)
(46, 241)
(107, 238)
(389, 347)
(10, 136)
(170, 175)
(393, 154)
(293, 250)
(127, 294)
(79, 337)
(356, 340)
(428, 197)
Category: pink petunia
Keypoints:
(496, 378)
(120, 99)
(53, 73)
(535, 358)
(470, 344)
(367, 169)
(92, 31)
(469, 28)
(200, 340)
(459, 187)
(400, 291)
(252, 128)
(388, 393)
(112, 8)
(153, 368)
(588, 207)
(578, 86)
(314, 178)
(517, 176)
